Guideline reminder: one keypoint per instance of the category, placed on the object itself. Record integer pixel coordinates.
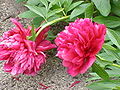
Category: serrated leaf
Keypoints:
(100, 71)
(114, 37)
(28, 14)
(38, 10)
(110, 21)
(53, 12)
(89, 11)
(103, 6)
(79, 10)
(104, 85)
(72, 6)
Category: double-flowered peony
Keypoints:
(21, 55)
(79, 43)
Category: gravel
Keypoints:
(53, 74)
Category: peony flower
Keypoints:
(23, 56)
(79, 43)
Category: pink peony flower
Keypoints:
(79, 43)
(23, 56)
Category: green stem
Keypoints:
(64, 13)
(111, 63)
(116, 65)
(50, 23)
(63, 10)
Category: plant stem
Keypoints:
(111, 63)
(63, 10)
(116, 65)
(50, 23)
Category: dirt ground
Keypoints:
(52, 74)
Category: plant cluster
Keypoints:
(83, 38)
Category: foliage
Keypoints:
(106, 12)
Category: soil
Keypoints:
(53, 74)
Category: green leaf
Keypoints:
(116, 2)
(61, 2)
(51, 36)
(113, 53)
(114, 71)
(109, 47)
(53, 17)
(33, 33)
(79, 10)
(104, 85)
(117, 88)
(52, 2)
(28, 14)
(37, 21)
(108, 57)
(100, 71)
(110, 21)
(38, 10)
(44, 2)
(103, 6)
(53, 12)
(116, 10)
(94, 77)
(72, 6)
(18, 1)
(89, 11)
(114, 37)
(33, 2)
(67, 4)
(103, 62)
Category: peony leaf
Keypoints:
(104, 85)
(53, 12)
(18, 1)
(37, 21)
(110, 21)
(72, 6)
(100, 71)
(109, 47)
(33, 2)
(28, 14)
(116, 2)
(89, 11)
(79, 10)
(103, 6)
(44, 2)
(38, 10)
(116, 10)
(32, 37)
(52, 2)
(114, 37)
